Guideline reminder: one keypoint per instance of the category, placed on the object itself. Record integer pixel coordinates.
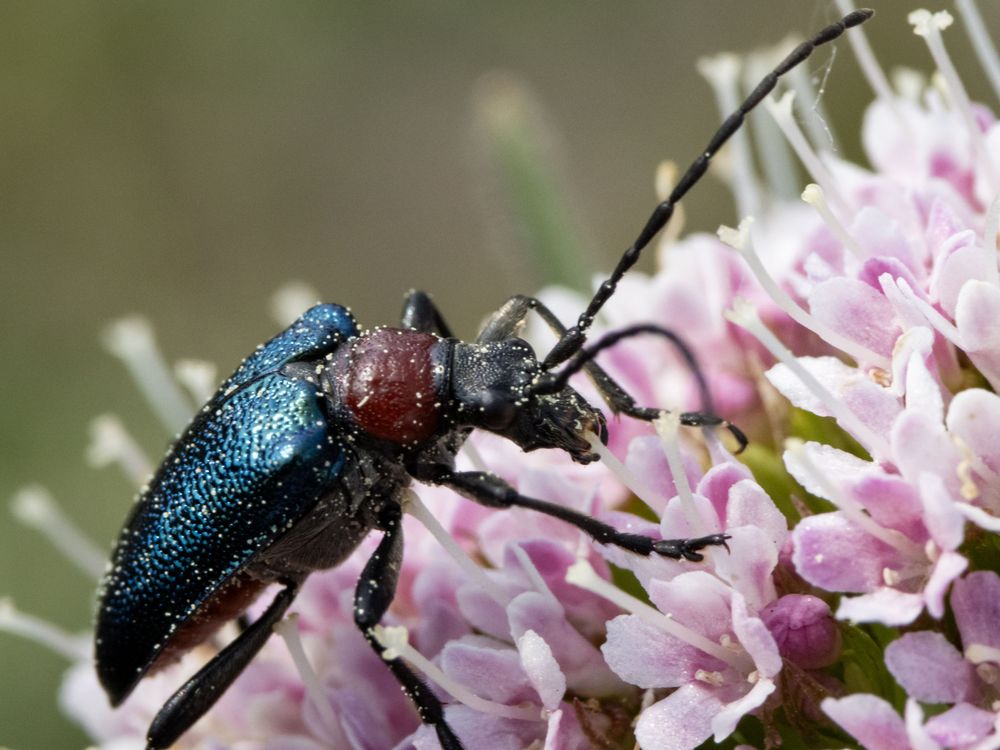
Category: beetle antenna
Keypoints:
(557, 381)
(573, 340)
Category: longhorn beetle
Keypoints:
(314, 439)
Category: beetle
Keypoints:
(311, 444)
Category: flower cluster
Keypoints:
(853, 336)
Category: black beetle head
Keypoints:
(493, 385)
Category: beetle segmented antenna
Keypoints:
(573, 340)
(557, 381)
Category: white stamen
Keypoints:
(970, 463)
(775, 156)
(415, 507)
(870, 67)
(967, 487)
(982, 41)
(850, 507)
(199, 377)
(34, 507)
(291, 300)
(745, 315)
(471, 452)
(910, 83)
(395, 640)
(979, 653)
(717, 451)
(582, 574)
(979, 516)
(989, 673)
(667, 426)
(929, 26)
(288, 629)
(940, 323)
(715, 679)
(813, 195)
(111, 443)
(622, 472)
(781, 111)
(131, 340)
(32, 628)
(932, 551)
(537, 582)
(722, 73)
(742, 241)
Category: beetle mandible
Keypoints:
(312, 443)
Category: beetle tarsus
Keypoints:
(689, 549)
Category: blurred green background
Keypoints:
(183, 160)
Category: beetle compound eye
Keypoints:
(497, 411)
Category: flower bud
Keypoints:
(804, 629)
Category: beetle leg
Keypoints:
(198, 694)
(372, 597)
(421, 314)
(492, 491)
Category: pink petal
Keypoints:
(885, 605)
(879, 235)
(724, 723)
(892, 502)
(479, 730)
(974, 416)
(947, 568)
(871, 403)
(489, 668)
(696, 599)
(929, 668)
(579, 659)
(681, 721)
(945, 524)
(920, 444)
(871, 720)
(675, 523)
(961, 725)
(542, 668)
(960, 261)
(749, 505)
(913, 719)
(975, 600)
(716, 483)
(646, 459)
(976, 314)
(748, 565)
(645, 656)
(564, 732)
(754, 636)
(856, 310)
(834, 554)
(840, 467)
